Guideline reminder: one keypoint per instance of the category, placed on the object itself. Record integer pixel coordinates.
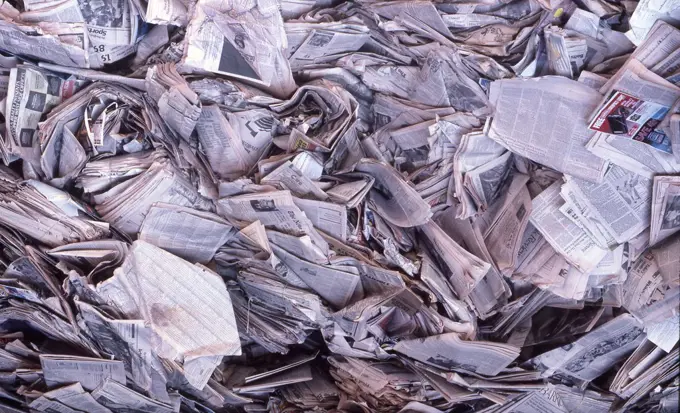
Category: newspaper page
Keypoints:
(592, 79)
(188, 233)
(449, 352)
(665, 219)
(31, 94)
(73, 396)
(113, 24)
(632, 155)
(566, 51)
(328, 217)
(664, 334)
(321, 43)
(561, 233)
(593, 354)
(224, 149)
(647, 13)
(632, 117)
(474, 152)
(246, 43)
(663, 306)
(586, 402)
(641, 106)
(64, 12)
(560, 143)
(643, 279)
(130, 340)
(293, 179)
(661, 40)
(272, 209)
(667, 257)
(90, 373)
(546, 400)
(301, 246)
(486, 181)
(668, 66)
(588, 24)
(336, 286)
(174, 12)
(49, 47)
(234, 143)
(178, 105)
(397, 202)
(125, 206)
(620, 203)
(466, 270)
(115, 396)
(43, 404)
(503, 237)
(187, 305)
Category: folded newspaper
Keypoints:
(410, 206)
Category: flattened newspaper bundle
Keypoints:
(345, 207)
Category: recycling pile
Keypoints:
(357, 207)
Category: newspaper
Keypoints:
(643, 370)
(73, 396)
(466, 269)
(187, 233)
(334, 285)
(323, 41)
(170, 312)
(618, 207)
(126, 208)
(450, 353)
(275, 209)
(544, 400)
(647, 97)
(480, 168)
(661, 40)
(90, 373)
(646, 14)
(668, 261)
(116, 396)
(566, 51)
(665, 219)
(566, 237)
(594, 353)
(390, 195)
(227, 154)
(31, 94)
(634, 156)
(603, 42)
(635, 118)
(41, 213)
(177, 103)
(249, 46)
(48, 44)
(561, 148)
(307, 205)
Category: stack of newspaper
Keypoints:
(309, 205)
